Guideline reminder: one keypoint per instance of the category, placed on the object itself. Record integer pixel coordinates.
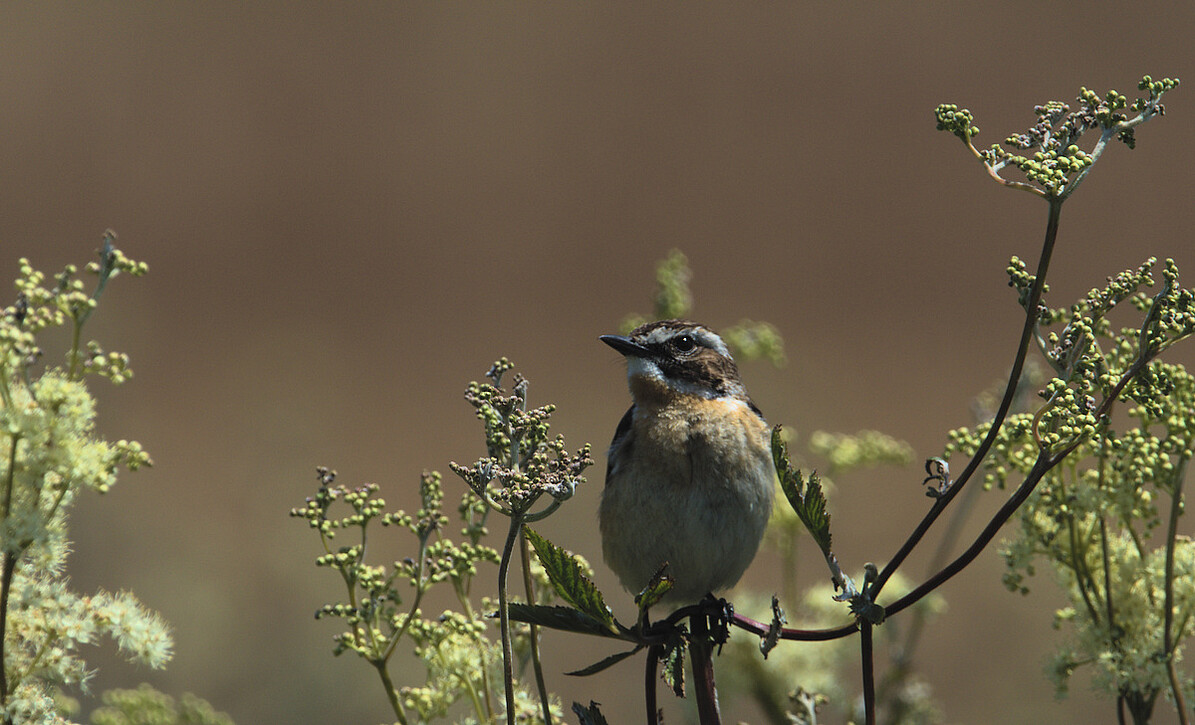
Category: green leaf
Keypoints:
(610, 661)
(563, 618)
(805, 497)
(589, 715)
(659, 585)
(674, 666)
(569, 579)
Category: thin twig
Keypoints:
(1027, 332)
(1042, 466)
(902, 656)
(1045, 462)
(1083, 577)
(1176, 505)
(508, 676)
(391, 690)
(529, 585)
(1109, 605)
(756, 627)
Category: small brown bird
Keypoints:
(690, 477)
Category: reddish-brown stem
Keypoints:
(701, 653)
(869, 684)
(649, 684)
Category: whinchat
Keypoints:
(689, 480)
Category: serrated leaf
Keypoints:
(562, 618)
(805, 497)
(659, 585)
(569, 580)
(591, 715)
(610, 661)
(674, 666)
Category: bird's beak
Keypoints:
(625, 346)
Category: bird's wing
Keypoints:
(621, 434)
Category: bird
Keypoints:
(690, 477)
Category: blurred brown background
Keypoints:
(349, 210)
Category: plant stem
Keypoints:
(1141, 707)
(1042, 466)
(1109, 605)
(529, 585)
(1176, 505)
(1083, 576)
(76, 333)
(701, 655)
(902, 656)
(649, 685)
(1027, 334)
(391, 691)
(869, 685)
(516, 525)
(486, 713)
(10, 567)
(5, 393)
(11, 477)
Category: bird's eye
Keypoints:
(685, 343)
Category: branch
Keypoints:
(705, 692)
(504, 618)
(869, 685)
(1027, 334)
(649, 685)
(529, 587)
(1168, 644)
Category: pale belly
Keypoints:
(708, 532)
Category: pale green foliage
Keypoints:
(1052, 162)
(844, 453)
(459, 660)
(524, 462)
(863, 449)
(1104, 520)
(799, 676)
(673, 299)
(49, 452)
(453, 647)
(147, 706)
(755, 341)
(462, 659)
(1127, 655)
(814, 667)
(823, 670)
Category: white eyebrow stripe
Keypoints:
(707, 338)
